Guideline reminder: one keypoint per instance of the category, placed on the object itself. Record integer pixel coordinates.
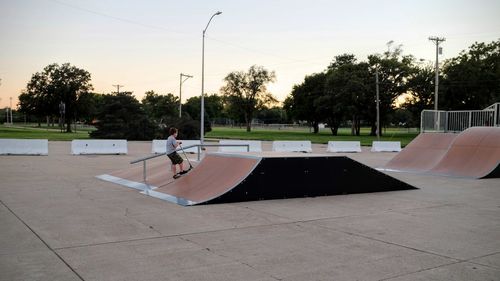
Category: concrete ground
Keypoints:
(58, 222)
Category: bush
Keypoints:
(188, 128)
(121, 117)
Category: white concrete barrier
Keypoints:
(255, 146)
(344, 146)
(98, 147)
(160, 146)
(386, 146)
(292, 146)
(24, 147)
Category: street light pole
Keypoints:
(180, 91)
(378, 104)
(202, 111)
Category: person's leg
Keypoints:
(174, 157)
(177, 160)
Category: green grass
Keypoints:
(323, 136)
(53, 134)
(33, 132)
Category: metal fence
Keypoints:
(456, 121)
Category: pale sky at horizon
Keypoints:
(145, 45)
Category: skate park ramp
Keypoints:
(423, 153)
(473, 153)
(158, 173)
(225, 178)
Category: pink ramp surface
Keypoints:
(474, 153)
(423, 153)
(214, 175)
(157, 171)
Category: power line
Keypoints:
(116, 18)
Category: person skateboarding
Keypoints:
(172, 145)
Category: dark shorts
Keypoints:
(175, 158)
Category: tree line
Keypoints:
(121, 115)
(342, 95)
(345, 93)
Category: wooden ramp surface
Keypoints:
(423, 153)
(225, 178)
(473, 153)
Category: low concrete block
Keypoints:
(98, 147)
(24, 147)
(292, 146)
(255, 146)
(344, 146)
(386, 146)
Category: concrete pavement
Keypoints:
(58, 222)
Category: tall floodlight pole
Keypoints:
(378, 103)
(202, 111)
(180, 91)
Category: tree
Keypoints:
(160, 107)
(246, 92)
(348, 93)
(301, 103)
(214, 108)
(394, 71)
(420, 93)
(471, 80)
(272, 115)
(120, 116)
(87, 106)
(54, 84)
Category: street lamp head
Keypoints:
(206, 27)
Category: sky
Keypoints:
(145, 45)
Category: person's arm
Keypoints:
(177, 143)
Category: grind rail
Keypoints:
(199, 146)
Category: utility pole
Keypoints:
(118, 88)
(437, 40)
(11, 122)
(180, 91)
(378, 104)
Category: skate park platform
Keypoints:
(238, 177)
(59, 222)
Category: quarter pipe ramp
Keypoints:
(224, 178)
(423, 153)
(474, 153)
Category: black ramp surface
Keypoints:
(294, 177)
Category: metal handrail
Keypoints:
(144, 159)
